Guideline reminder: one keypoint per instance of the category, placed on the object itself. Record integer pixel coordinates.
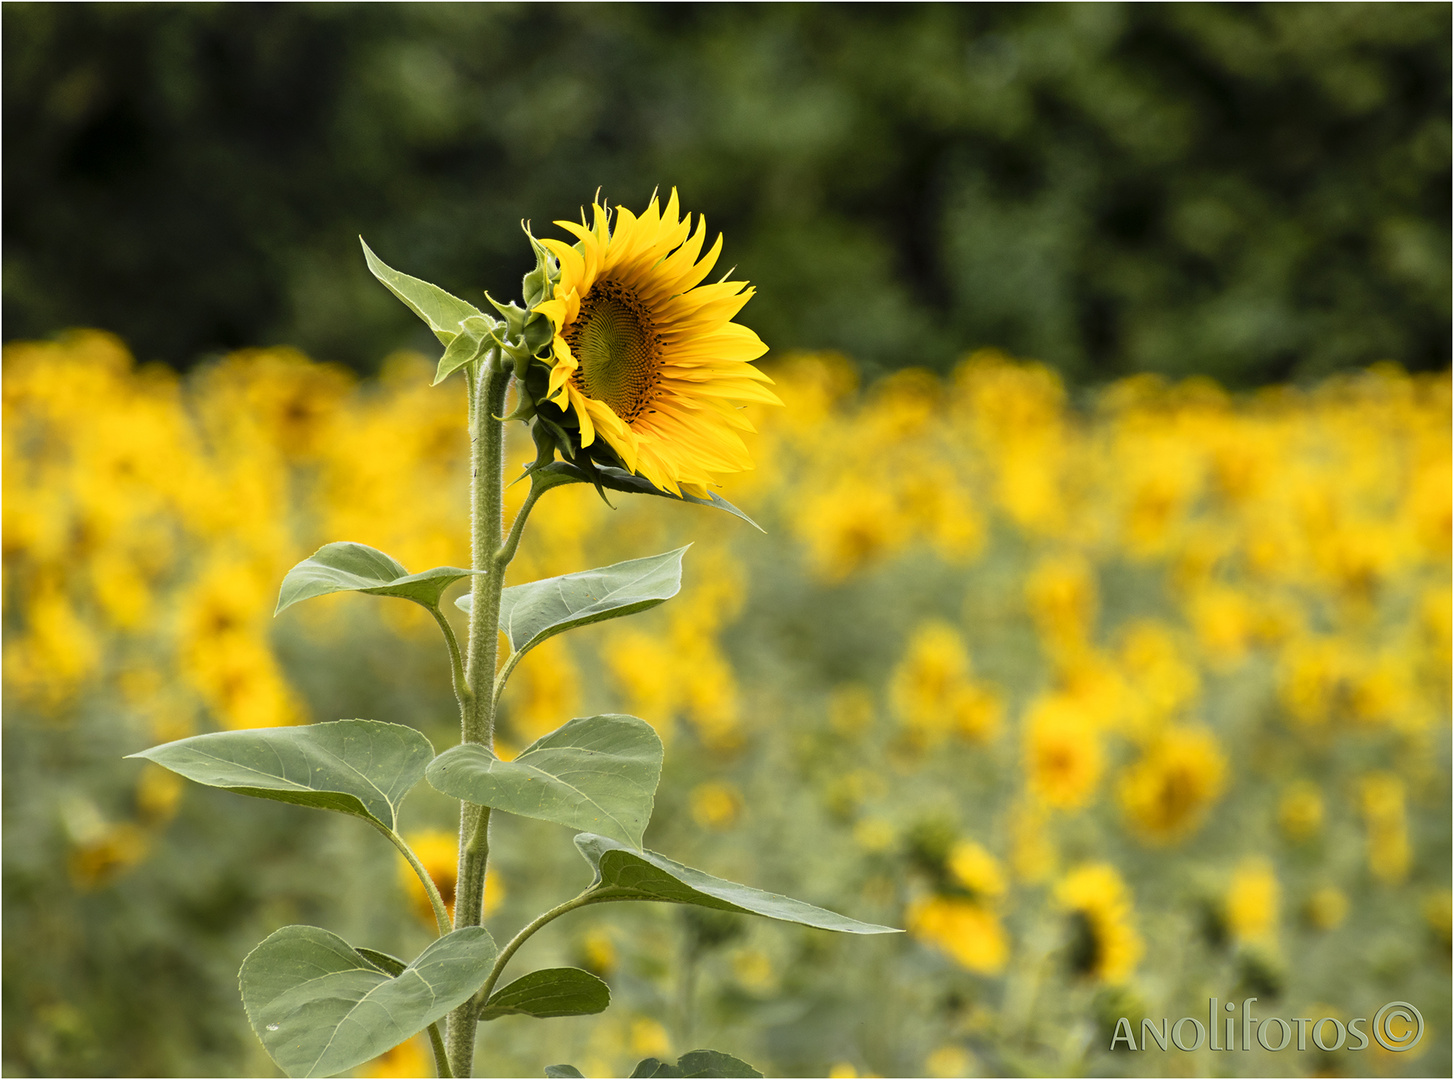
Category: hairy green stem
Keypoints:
(441, 916)
(483, 995)
(487, 499)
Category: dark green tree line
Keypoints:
(1252, 191)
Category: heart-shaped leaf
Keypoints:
(608, 476)
(320, 1007)
(597, 773)
(349, 567)
(442, 312)
(537, 610)
(361, 767)
(552, 992)
(623, 874)
(698, 1063)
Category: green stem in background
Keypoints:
(441, 916)
(487, 500)
(483, 995)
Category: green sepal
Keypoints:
(358, 767)
(624, 874)
(344, 566)
(539, 284)
(321, 1007)
(548, 993)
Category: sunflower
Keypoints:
(646, 357)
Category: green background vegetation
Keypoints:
(1252, 191)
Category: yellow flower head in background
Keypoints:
(439, 852)
(1063, 755)
(968, 932)
(1252, 901)
(646, 356)
(1169, 791)
(1109, 946)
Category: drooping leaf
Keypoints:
(552, 992)
(320, 1007)
(360, 767)
(442, 312)
(562, 1072)
(537, 610)
(385, 962)
(623, 874)
(350, 567)
(596, 773)
(698, 1063)
(620, 480)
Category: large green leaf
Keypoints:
(552, 992)
(597, 773)
(320, 1007)
(537, 610)
(349, 567)
(442, 312)
(698, 1063)
(608, 476)
(562, 1072)
(623, 874)
(361, 767)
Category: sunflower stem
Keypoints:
(487, 499)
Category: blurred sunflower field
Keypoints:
(1116, 702)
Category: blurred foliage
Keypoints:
(1114, 708)
(1257, 192)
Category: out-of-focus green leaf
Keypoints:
(360, 767)
(441, 312)
(597, 773)
(321, 1007)
(537, 610)
(551, 992)
(698, 1063)
(562, 1072)
(348, 567)
(623, 874)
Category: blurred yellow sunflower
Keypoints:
(646, 356)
